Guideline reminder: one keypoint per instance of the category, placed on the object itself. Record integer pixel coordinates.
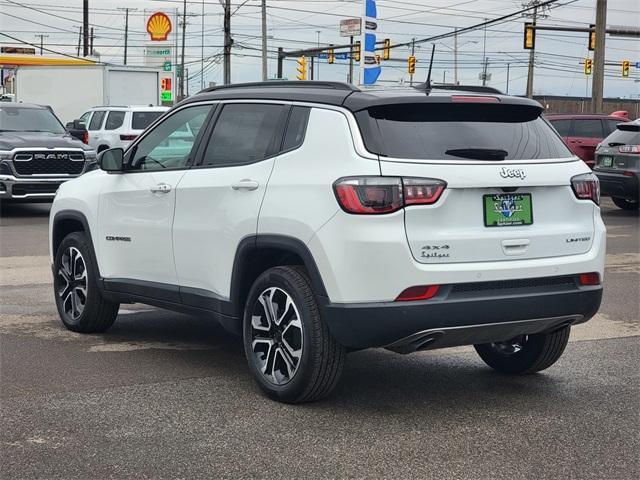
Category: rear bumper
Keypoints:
(462, 316)
(618, 185)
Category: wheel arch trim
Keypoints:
(254, 243)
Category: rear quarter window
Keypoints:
(141, 120)
(426, 131)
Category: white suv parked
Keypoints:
(118, 126)
(314, 219)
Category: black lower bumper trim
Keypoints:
(381, 324)
(618, 185)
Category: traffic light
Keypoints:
(529, 36)
(588, 65)
(386, 51)
(302, 68)
(330, 56)
(625, 68)
(592, 38)
(356, 52)
(411, 67)
(378, 59)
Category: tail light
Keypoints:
(629, 148)
(627, 173)
(591, 278)
(375, 195)
(586, 187)
(422, 292)
(127, 137)
(85, 138)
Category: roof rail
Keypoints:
(464, 88)
(285, 84)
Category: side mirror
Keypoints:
(79, 125)
(111, 160)
(77, 129)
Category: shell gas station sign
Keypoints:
(159, 27)
(159, 49)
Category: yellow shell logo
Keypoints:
(159, 26)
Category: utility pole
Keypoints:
(350, 79)
(42, 37)
(227, 42)
(201, 50)
(318, 67)
(184, 30)
(413, 53)
(532, 58)
(85, 26)
(598, 57)
(484, 71)
(126, 30)
(455, 57)
(79, 41)
(508, 65)
(264, 41)
(92, 37)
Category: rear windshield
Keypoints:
(142, 120)
(461, 132)
(623, 137)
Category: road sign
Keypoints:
(342, 56)
(323, 56)
(637, 64)
(484, 76)
(166, 66)
(350, 27)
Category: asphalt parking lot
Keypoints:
(164, 395)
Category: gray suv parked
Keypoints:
(618, 165)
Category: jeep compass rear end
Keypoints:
(315, 218)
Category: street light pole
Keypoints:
(85, 27)
(184, 31)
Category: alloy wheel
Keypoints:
(72, 283)
(276, 333)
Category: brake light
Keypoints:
(586, 187)
(629, 148)
(374, 195)
(627, 173)
(128, 138)
(591, 278)
(85, 138)
(474, 99)
(421, 292)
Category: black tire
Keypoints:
(96, 314)
(625, 204)
(536, 353)
(320, 363)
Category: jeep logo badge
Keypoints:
(513, 173)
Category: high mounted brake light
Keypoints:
(474, 99)
(377, 195)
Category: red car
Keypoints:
(583, 133)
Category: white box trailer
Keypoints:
(71, 90)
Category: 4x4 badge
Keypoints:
(513, 173)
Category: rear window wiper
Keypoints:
(478, 153)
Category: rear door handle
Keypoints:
(161, 188)
(245, 184)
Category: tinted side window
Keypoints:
(96, 120)
(114, 120)
(588, 128)
(85, 117)
(141, 120)
(562, 126)
(612, 125)
(170, 143)
(244, 133)
(296, 128)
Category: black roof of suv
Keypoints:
(352, 97)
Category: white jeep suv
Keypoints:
(315, 218)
